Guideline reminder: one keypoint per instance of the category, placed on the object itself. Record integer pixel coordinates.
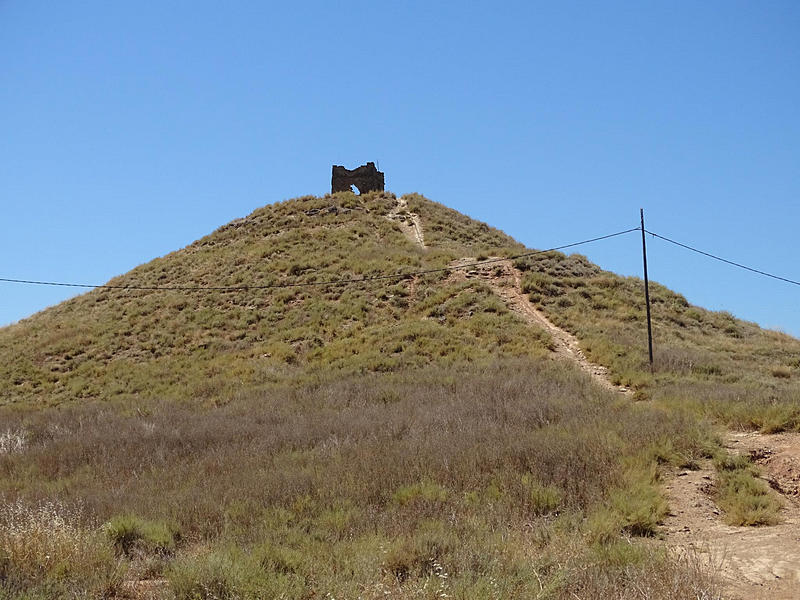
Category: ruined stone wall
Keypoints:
(366, 178)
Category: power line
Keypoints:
(725, 260)
(345, 281)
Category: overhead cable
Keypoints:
(290, 284)
(725, 260)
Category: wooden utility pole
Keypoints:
(647, 294)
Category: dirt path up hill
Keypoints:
(506, 281)
(410, 223)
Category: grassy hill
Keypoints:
(205, 344)
(409, 438)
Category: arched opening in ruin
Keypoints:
(354, 189)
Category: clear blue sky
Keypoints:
(129, 129)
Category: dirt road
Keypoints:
(754, 563)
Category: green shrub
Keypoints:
(426, 491)
(540, 284)
(707, 370)
(742, 495)
(421, 554)
(231, 574)
(132, 535)
(541, 499)
(782, 372)
(278, 559)
(635, 508)
(210, 576)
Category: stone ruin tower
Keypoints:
(366, 178)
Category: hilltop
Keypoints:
(483, 428)
(202, 343)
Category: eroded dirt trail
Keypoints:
(410, 223)
(753, 562)
(506, 281)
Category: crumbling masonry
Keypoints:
(366, 178)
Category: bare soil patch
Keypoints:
(410, 223)
(753, 562)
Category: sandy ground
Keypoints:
(753, 562)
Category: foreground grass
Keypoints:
(45, 551)
(515, 479)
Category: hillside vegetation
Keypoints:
(710, 362)
(208, 344)
(409, 438)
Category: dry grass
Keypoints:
(46, 550)
(12, 441)
(345, 485)
(407, 439)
